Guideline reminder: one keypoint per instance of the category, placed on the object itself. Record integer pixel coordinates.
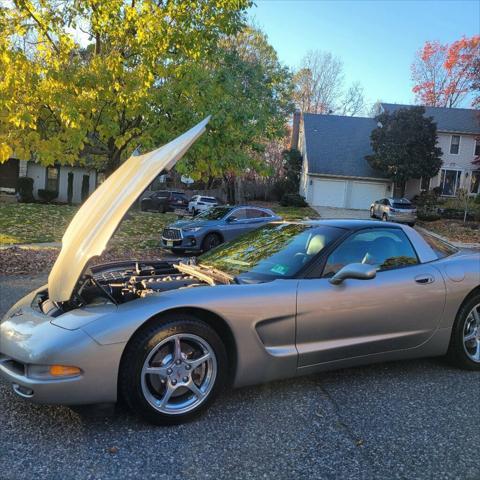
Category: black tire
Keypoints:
(372, 215)
(212, 240)
(137, 351)
(384, 218)
(411, 224)
(456, 351)
(162, 208)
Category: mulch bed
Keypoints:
(455, 230)
(31, 261)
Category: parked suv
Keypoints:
(164, 201)
(398, 210)
(199, 203)
(214, 226)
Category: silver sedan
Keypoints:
(287, 299)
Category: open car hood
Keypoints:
(98, 218)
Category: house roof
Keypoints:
(457, 120)
(337, 145)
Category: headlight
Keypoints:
(191, 229)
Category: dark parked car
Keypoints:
(164, 201)
(214, 226)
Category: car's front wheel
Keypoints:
(212, 240)
(372, 213)
(464, 349)
(384, 217)
(173, 369)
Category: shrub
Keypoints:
(477, 199)
(279, 189)
(293, 200)
(428, 217)
(47, 195)
(25, 189)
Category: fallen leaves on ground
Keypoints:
(23, 261)
(455, 230)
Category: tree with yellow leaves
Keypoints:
(89, 80)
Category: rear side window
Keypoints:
(384, 248)
(442, 249)
(254, 213)
(208, 200)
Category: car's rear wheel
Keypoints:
(212, 240)
(173, 369)
(464, 349)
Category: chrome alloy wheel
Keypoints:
(178, 374)
(471, 334)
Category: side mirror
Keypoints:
(231, 219)
(358, 271)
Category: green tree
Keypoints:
(64, 100)
(248, 93)
(405, 145)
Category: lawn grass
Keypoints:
(22, 223)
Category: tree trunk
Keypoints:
(230, 188)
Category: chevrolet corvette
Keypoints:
(288, 299)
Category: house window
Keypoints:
(449, 182)
(455, 144)
(425, 184)
(52, 177)
(477, 148)
(475, 182)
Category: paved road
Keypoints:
(416, 419)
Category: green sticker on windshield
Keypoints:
(280, 269)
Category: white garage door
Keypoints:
(362, 194)
(328, 193)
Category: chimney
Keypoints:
(295, 129)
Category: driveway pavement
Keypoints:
(330, 212)
(415, 419)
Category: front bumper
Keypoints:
(29, 339)
(187, 242)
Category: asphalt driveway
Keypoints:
(415, 419)
(330, 212)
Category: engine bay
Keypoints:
(123, 282)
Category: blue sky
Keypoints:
(376, 40)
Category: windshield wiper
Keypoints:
(209, 275)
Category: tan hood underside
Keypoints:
(97, 219)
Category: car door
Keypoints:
(234, 224)
(398, 309)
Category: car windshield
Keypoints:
(278, 250)
(215, 213)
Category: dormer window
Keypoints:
(455, 144)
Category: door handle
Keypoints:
(424, 279)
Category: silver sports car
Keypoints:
(287, 299)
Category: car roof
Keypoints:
(350, 223)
